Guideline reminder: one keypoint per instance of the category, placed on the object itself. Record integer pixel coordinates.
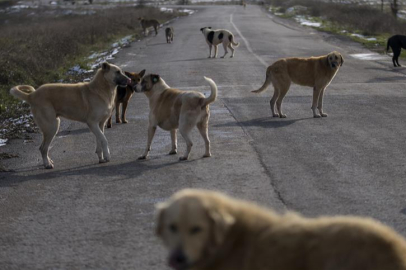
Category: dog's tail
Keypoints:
(22, 91)
(266, 83)
(387, 46)
(231, 39)
(213, 94)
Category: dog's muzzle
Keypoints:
(178, 260)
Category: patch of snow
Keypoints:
(306, 22)
(168, 10)
(188, 11)
(3, 142)
(78, 70)
(363, 37)
(369, 56)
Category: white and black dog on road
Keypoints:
(215, 37)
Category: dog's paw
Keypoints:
(142, 158)
(49, 166)
(118, 121)
(125, 121)
(103, 160)
(317, 116)
(206, 155)
(324, 114)
(183, 158)
(232, 56)
(283, 116)
(275, 115)
(173, 152)
(108, 125)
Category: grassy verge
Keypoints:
(40, 49)
(365, 24)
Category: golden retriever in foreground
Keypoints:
(316, 72)
(89, 103)
(206, 230)
(172, 109)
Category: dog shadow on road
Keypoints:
(264, 122)
(127, 170)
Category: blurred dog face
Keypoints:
(135, 78)
(335, 60)
(147, 83)
(191, 228)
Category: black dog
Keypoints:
(396, 42)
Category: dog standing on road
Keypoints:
(316, 72)
(169, 34)
(124, 95)
(215, 37)
(207, 230)
(172, 109)
(396, 42)
(145, 24)
(89, 103)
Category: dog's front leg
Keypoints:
(316, 94)
(210, 50)
(215, 51)
(174, 142)
(97, 131)
(320, 104)
(151, 133)
(118, 113)
(123, 112)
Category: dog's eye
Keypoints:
(173, 228)
(336, 58)
(330, 58)
(195, 230)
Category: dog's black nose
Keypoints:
(178, 259)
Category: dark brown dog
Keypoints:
(124, 95)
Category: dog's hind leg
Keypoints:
(396, 54)
(174, 140)
(316, 96)
(282, 94)
(123, 112)
(225, 50)
(109, 122)
(49, 125)
(185, 127)
(320, 103)
(232, 50)
(203, 129)
(97, 129)
(273, 101)
(151, 134)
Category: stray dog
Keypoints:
(396, 42)
(124, 95)
(169, 34)
(145, 24)
(207, 230)
(172, 109)
(215, 37)
(89, 103)
(316, 72)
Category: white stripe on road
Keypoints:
(247, 44)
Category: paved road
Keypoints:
(83, 215)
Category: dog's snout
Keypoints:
(128, 81)
(178, 259)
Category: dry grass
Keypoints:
(39, 49)
(366, 19)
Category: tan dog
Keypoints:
(316, 72)
(172, 109)
(145, 24)
(206, 230)
(89, 103)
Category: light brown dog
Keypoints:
(316, 72)
(172, 109)
(206, 230)
(89, 103)
(145, 24)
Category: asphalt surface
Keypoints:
(85, 215)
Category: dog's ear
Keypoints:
(221, 224)
(105, 66)
(142, 73)
(201, 29)
(155, 78)
(342, 60)
(160, 215)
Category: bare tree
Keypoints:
(394, 8)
